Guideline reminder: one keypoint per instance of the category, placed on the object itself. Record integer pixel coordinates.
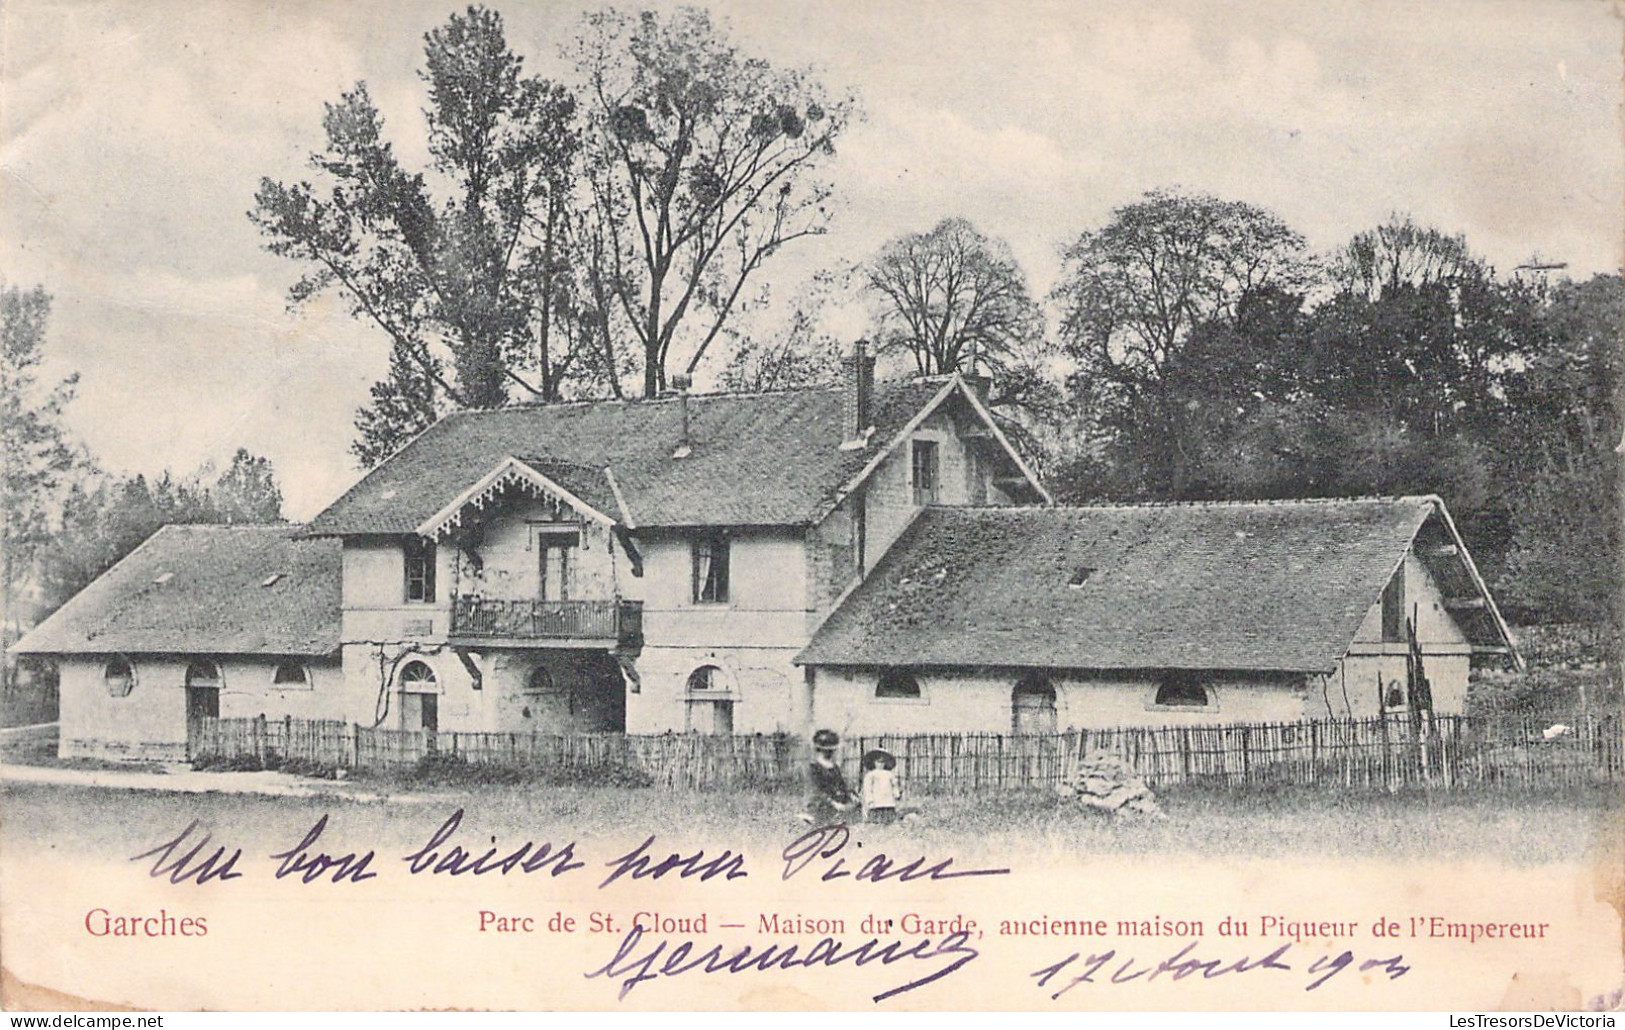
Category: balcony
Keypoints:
(609, 623)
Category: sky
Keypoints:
(133, 135)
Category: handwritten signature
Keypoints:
(637, 963)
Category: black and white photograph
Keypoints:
(802, 506)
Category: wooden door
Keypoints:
(420, 712)
(202, 702)
(1033, 706)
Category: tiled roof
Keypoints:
(1277, 586)
(203, 590)
(590, 484)
(763, 459)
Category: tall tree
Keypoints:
(703, 164)
(1566, 413)
(403, 405)
(954, 299)
(794, 351)
(1132, 291)
(104, 518)
(1399, 253)
(472, 285)
(36, 453)
(247, 491)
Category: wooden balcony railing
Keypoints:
(614, 621)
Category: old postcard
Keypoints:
(834, 505)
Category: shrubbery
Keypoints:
(1544, 692)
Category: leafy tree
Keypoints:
(1132, 292)
(1402, 253)
(1566, 414)
(703, 163)
(38, 457)
(795, 352)
(466, 265)
(247, 491)
(953, 299)
(105, 518)
(403, 405)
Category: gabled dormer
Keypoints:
(948, 449)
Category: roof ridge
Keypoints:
(1268, 502)
(667, 398)
(230, 525)
(664, 399)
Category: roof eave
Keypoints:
(1494, 610)
(808, 657)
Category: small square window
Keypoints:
(290, 674)
(119, 677)
(897, 683)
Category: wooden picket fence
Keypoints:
(323, 742)
(1441, 753)
(671, 760)
(1444, 752)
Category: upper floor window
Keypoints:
(925, 472)
(290, 674)
(1182, 690)
(1393, 608)
(119, 677)
(897, 683)
(419, 569)
(553, 564)
(711, 570)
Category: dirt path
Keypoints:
(180, 779)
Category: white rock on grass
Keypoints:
(1108, 783)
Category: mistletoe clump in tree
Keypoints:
(703, 164)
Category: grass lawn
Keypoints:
(1575, 824)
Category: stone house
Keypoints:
(638, 566)
(867, 556)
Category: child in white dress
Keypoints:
(881, 787)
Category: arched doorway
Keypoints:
(710, 701)
(420, 697)
(202, 691)
(1032, 705)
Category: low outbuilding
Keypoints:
(197, 621)
(1032, 620)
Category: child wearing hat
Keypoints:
(830, 797)
(881, 788)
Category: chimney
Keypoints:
(857, 385)
(681, 383)
(980, 384)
